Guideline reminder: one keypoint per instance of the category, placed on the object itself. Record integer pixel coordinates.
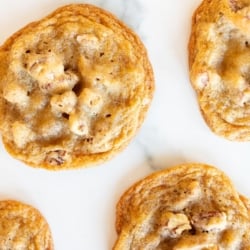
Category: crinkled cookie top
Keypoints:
(219, 53)
(23, 227)
(75, 87)
(188, 207)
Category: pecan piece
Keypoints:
(56, 157)
(173, 224)
(210, 221)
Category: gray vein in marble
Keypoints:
(147, 141)
(155, 161)
(157, 151)
(147, 155)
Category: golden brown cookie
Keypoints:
(23, 227)
(187, 207)
(75, 88)
(246, 202)
(219, 60)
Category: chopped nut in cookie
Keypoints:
(44, 67)
(22, 134)
(63, 83)
(202, 80)
(90, 101)
(48, 70)
(56, 157)
(78, 123)
(173, 224)
(210, 221)
(16, 94)
(63, 103)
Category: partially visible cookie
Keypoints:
(246, 202)
(22, 227)
(74, 88)
(187, 207)
(219, 61)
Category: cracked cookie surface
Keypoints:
(23, 227)
(191, 206)
(75, 87)
(219, 60)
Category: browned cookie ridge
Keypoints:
(23, 227)
(75, 88)
(187, 207)
(219, 60)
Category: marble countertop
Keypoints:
(80, 204)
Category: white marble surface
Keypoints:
(80, 205)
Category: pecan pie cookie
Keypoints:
(23, 227)
(75, 87)
(188, 207)
(219, 59)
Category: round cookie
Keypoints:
(219, 61)
(75, 88)
(190, 206)
(23, 227)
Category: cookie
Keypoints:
(190, 206)
(23, 227)
(74, 88)
(246, 202)
(219, 62)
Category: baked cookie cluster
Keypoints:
(75, 87)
